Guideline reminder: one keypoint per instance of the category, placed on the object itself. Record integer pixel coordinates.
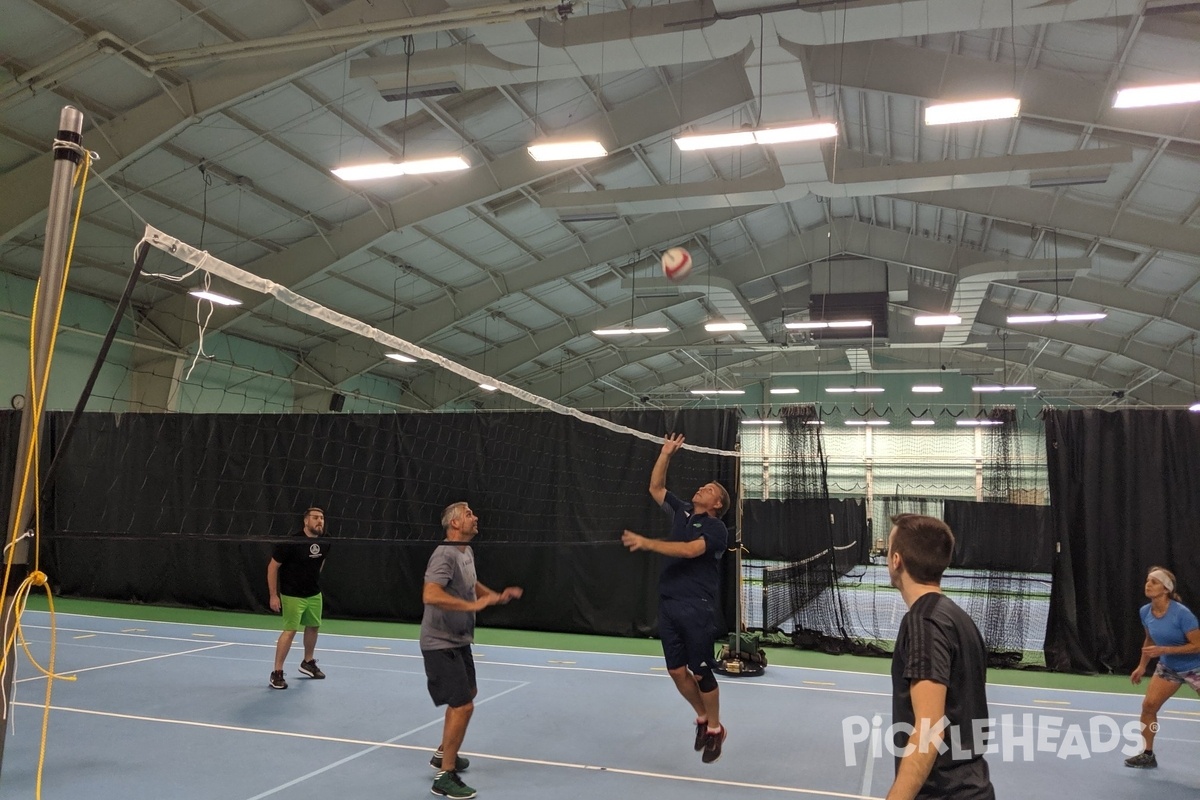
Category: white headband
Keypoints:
(1163, 578)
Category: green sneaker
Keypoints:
(448, 784)
(460, 763)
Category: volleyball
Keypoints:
(676, 264)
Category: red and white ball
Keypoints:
(676, 264)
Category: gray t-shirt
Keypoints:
(454, 570)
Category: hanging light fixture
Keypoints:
(631, 329)
(1025, 319)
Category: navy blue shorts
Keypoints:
(450, 675)
(687, 629)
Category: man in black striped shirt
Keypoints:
(939, 670)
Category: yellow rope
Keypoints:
(38, 389)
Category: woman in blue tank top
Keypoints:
(1173, 636)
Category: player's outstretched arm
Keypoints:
(658, 475)
(636, 542)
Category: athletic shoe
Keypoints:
(701, 731)
(311, 669)
(1142, 761)
(277, 681)
(460, 763)
(448, 784)
(712, 745)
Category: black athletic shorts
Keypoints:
(686, 629)
(450, 675)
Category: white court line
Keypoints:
(390, 744)
(636, 673)
(373, 748)
(552, 650)
(127, 663)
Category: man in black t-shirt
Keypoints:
(939, 670)
(687, 593)
(294, 582)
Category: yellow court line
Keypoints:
(84, 636)
(1053, 702)
(204, 635)
(820, 683)
(375, 647)
(133, 630)
(554, 661)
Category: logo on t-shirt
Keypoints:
(314, 550)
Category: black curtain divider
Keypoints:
(10, 439)
(1125, 494)
(794, 529)
(1013, 537)
(185, 506)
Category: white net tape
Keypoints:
(205, 261)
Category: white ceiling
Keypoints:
(481, 267)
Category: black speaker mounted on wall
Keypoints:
(337, 401)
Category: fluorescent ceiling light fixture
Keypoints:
(944, 319)
(589, 216)
(565, 151)
(927, 389)
(628, 331)
(790, 133)
(973, 111)
(1067, 180)
(213, 297)
(983, 387)
(785, 390)
(487, 387)
(762, 422)
(923, 422)
(714, 140)
(839, 323)
(815, 422)
(975, 423)
(718, 391)
(854, 389)
(1194, 407)
(871, 422)
(1036, 318)
(1139, 97)
(392, 169)
(720, 326)
(402, 358)
(797, 133)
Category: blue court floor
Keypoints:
(183, 711)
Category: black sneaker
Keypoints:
(460, 763)
(701, 730)
(277, 681)
(311, 669)
(448, 784)
(712, 745)
(1142, 761)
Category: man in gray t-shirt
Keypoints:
(452, 594)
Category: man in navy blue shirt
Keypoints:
(687, 593)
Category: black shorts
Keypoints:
(686, 629)
(450, 675)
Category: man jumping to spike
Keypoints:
(687, 590)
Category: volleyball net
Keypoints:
(187, 449)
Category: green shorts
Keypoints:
(300, 612)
